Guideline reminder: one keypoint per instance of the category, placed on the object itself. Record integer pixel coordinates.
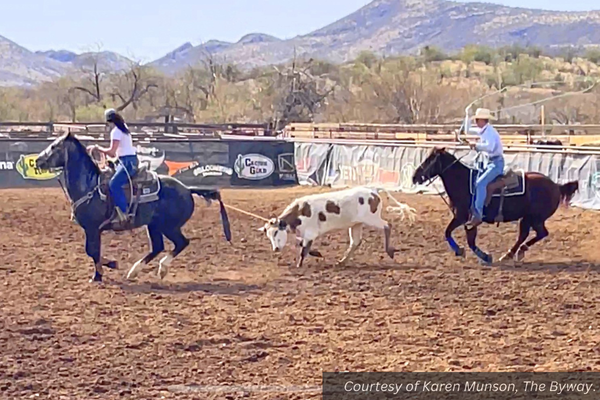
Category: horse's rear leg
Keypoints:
(158, 246)
(180, 242)
(471, 240)
(524, 228)
(540, 233)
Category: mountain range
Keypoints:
(385, 27)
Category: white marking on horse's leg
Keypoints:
(135, 270)
(164, 265)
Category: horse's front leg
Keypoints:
(92, 248)
(455, 223)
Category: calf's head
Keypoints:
(276, 231)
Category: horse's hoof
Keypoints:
(162, 273)
(112, 265)
(486, 260)
(519, 256)
(96, 278)
(460, 252)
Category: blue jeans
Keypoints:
(126, 165)
(494, 169)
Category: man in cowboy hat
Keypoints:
(491, 144)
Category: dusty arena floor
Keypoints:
(241, 316)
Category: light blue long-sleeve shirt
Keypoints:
(489, 141)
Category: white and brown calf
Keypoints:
(312, 216)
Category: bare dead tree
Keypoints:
(300, 97)
(93, 75)
(132, 86)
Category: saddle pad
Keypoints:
(519, 190)
(149, 189)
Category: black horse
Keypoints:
(164, 215)
(538, 202)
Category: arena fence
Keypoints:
(393, 165)
(258, 160)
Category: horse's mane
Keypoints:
(81, 149)
(451, 158)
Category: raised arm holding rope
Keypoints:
(491, 144)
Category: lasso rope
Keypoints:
(246, 212)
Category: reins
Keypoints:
(84, 199)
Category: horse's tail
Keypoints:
(567, 191)
(209, 195)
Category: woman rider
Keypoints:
(121, 146)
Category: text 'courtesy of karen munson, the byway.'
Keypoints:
(471, 386)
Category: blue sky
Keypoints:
(148, 29)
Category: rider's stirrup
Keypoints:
(121, 216)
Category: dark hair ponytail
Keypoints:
(119, 122)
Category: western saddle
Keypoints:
(146, 186)
(146, 183)
(508, 180)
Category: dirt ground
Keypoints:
(240, 315)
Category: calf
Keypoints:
(312, 216)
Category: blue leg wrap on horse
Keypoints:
(480, 253)
(453, 244)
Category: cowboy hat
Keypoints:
(483, 113)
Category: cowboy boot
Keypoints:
(474, 222)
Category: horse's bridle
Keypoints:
(82, 200)
(431, 180)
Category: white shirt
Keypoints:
(490, 141)
(125, 143)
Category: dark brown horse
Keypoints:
(539, 200)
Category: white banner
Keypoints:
(392, 167)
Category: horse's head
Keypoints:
(433, 166)
(55, 155)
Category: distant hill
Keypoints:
(394, 27)
(386, 27)
(106, 60)
(22, 67)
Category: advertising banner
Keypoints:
(393, 167)
(257, 163)
(214, 163)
